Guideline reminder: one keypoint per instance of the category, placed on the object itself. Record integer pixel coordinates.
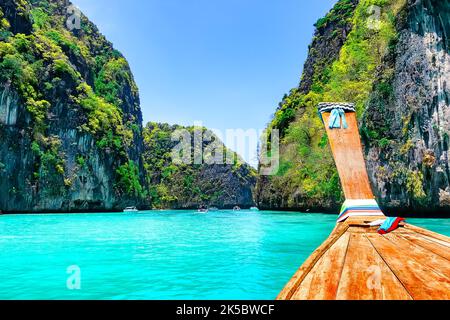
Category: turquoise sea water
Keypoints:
(160, 254)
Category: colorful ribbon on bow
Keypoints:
(335, 119)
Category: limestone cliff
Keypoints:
(71, 125)
(407, 120)
(394, 64)
(213, 181)
(70, 121)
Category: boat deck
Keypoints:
(356, 263)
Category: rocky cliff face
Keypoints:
(70, 121)
(304, 153)
(187, 185)
(71, 126)
(407, 121)
(394, 65)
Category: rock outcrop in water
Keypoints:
(393, 62)
(70, 118)
(187, 185)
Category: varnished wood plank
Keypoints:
(322, 282)
(405, 275)
(355, 229)
(425, 237)
(420, 281)
(426, 257)
(304, 288)
(300, 275)
(366, 276)
(434, 247)
(429, 234)
(361, 221)
(347, 151)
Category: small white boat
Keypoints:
(237, 208)
(131, 209)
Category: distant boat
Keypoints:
(237, 208)
(213, 209)
(254, 209)
(203, 209)
(131, 209)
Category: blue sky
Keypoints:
(226, 63)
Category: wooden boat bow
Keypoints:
(357, 263)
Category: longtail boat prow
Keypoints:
(368, 256)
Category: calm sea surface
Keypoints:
(160, 254)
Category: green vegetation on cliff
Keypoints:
(307, 167)
(50, 59)
(188, 185)
(71, 126)
(72, 84)
(405, 127)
